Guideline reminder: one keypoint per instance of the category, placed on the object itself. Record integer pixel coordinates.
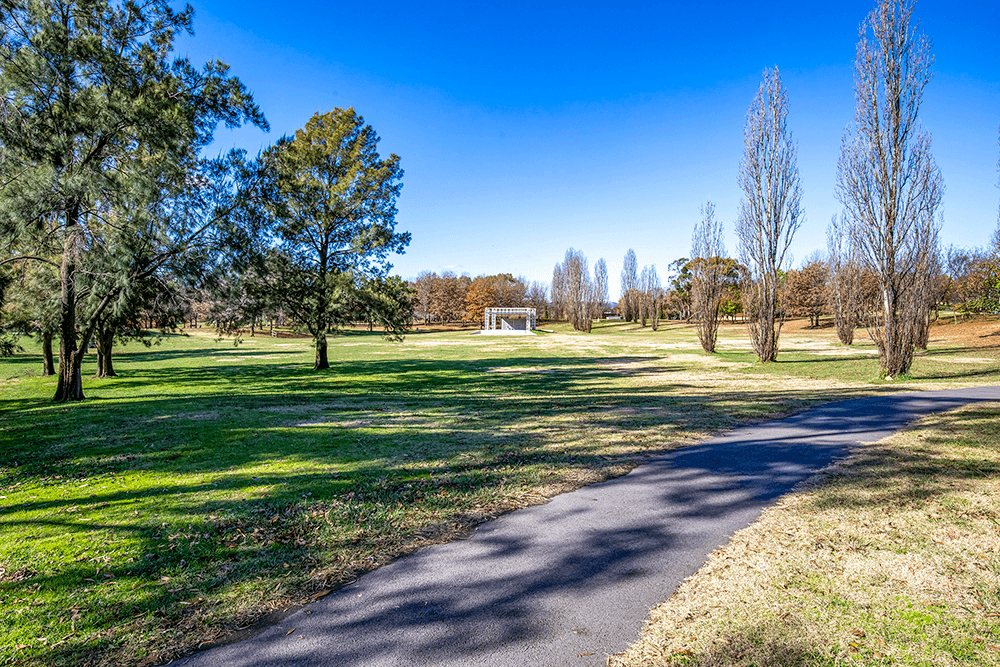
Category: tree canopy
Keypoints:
(331, 206)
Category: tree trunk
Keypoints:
(105, 339)
(70, 387)
(896, 349)
(321, 358)
(47, 359)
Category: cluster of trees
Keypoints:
(577, 296)
(113, 215)
(642, 295)
(451, 298)
(884, 255)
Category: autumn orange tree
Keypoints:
(804, 293)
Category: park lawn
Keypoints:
(890, 557)
(211, 484)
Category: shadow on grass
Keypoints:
(767, 643)
(225, 424)
(891, 476)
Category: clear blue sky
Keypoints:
(526, 128)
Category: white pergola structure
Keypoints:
(510, 319)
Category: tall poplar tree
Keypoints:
(770, 210)
(628, 304)
(708, 279)
(888, 181)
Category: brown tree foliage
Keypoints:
(447, 296)
(499, 291)
(804, 293)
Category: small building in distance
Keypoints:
(509, 320)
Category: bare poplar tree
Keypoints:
(537, 297)
(887, 180)
(708, 284)
(424, 286)
(926, 290)
(654, 296)
(578, 292)
(843, 285)
(642, 296)
(600, 288)
(770, 210)
(630, 282)
(558, 292)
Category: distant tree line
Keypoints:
(451, 298)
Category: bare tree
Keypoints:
(630, 282)
(887, 180)
(927, 290)
(707, 275)
(537, 297)
(642, 296)
(448, 296)
(654, 296)
(770, 210)
(578, 290)
(600, 287)
(558, 292)
(843, 276)
(647, 295)
(423, 285)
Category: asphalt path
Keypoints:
(570, 582)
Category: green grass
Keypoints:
(210, 484)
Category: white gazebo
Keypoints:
(510, 320)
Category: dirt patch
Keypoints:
(977, 334)
(15, 576)
(209, 415)
(519, 370)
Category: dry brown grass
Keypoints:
(890, 557)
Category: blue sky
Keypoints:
(528, 128)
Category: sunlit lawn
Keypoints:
(210, 484)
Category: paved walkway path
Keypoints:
(571, 581)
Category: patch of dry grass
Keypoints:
(892, 556)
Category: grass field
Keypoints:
(210, 485)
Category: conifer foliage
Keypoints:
(332, 204)
(100, 134)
